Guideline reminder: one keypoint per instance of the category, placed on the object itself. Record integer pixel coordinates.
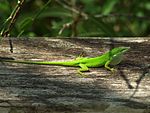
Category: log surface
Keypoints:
(44, 89)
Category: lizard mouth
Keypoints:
(125, 49)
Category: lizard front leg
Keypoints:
(109, 68)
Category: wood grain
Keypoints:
(44, 89)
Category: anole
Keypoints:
(112, 57)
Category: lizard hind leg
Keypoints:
(80, 56)
(83, 68)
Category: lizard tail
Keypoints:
(68, 63)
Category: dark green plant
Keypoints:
(72, 18)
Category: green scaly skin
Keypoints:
(112, 57)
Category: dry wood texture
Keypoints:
(43, 89)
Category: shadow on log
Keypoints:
(44, 89)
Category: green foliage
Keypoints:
(77, 18)
(108, 7)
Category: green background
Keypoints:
(81, 18)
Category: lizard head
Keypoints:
(117, 54)
(119, 50)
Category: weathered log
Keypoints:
(55, 88)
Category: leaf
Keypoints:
(108, 6)
(26, 23)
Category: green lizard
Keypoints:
(112, 57)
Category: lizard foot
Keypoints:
(82, 74)
(113, 71)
